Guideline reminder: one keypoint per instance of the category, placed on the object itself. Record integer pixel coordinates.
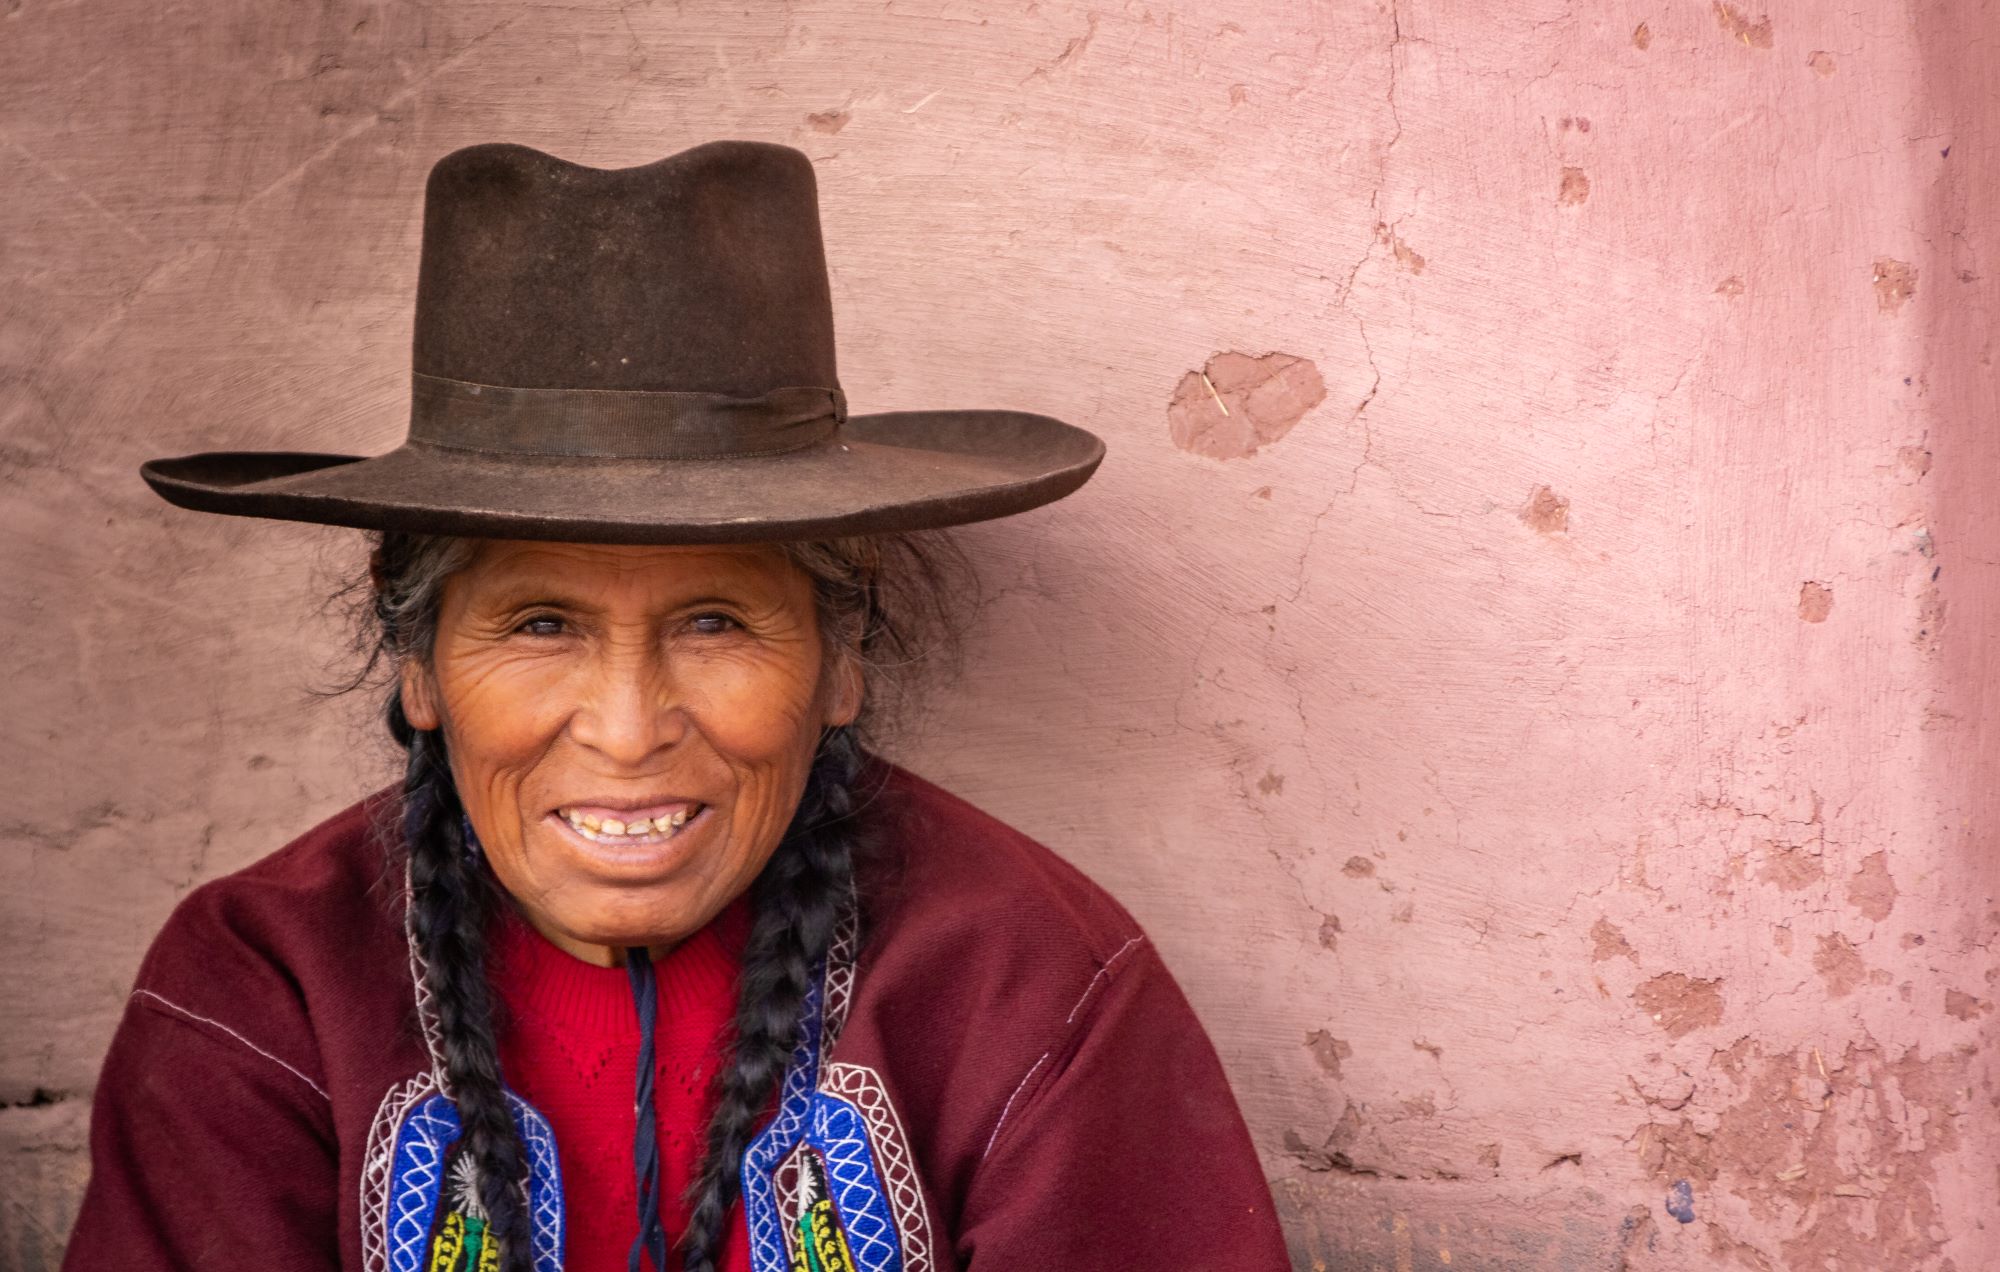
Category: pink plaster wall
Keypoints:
(1555, 760)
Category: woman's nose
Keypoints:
(631, 712)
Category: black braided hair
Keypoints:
(452, 899)
(798, 902)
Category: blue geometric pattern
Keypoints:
(837, 1129)
(417, 1178)
(841, 1135)
(760, 1160)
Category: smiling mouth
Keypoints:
(641, 826)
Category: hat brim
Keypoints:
(884, 473)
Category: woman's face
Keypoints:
(630, 728)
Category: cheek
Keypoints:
(501, 717)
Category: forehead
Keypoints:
(506, 566)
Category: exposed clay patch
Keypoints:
(1781, 937)
(1680, 1004)
(1358, 868)
(1238, 94)
(1642, 37)
(1895, 283)
(1872, 891)
(1733, 20)
(1789, 866)
(1839, 1151)
(1964, 1006)
(1328, 1050)
(1839, 965)
(1731, 286)
(1815, 602)
(1271, 783)
(1407, 258)
(1406, 912)
(829, 121)
(1575, 187)
(1238, 403)
(1607, 942)
(1913, 461)
(1329, 932)
(1547, 512)
(1821, 61)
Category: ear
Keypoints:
(845, 690)
(419, 693)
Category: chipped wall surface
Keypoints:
(1526, 659)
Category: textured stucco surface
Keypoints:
(1555, 761)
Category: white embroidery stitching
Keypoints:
(1070, 1019)
(896, 1165)
(420, 983)
(377, 1166)
(176, 1007)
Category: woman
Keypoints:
(647, 963)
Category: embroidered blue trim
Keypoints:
(836, 1129)
(416, 1181)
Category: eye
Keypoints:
(713, 623)
(541, 625)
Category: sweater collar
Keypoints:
(538, 979)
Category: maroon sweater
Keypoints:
(1005, 1077)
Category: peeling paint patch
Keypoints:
(1238, 403)
(1821, 61)
(1680, 1004)
(829, 121)
(1547, 512)
(1872, 891)
(1789, 866)
(1575, 187)
(1731, 286)
(1329, 932)
(1733, 20)
(1405, 256)
(1328, 1050)
(1964, 1006)
(1358, 868)
(1839, 965)
(1895, 282)
(1815, 602)
(1271, 784)
(1607, 942)
(1913, 461)
(1930, 617)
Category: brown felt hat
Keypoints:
(640, 355)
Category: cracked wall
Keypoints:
(1524, 659)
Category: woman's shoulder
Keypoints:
(319, 918)
(330, 883)
(952, 869)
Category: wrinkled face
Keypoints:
(630, 728)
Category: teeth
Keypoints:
(591, 827)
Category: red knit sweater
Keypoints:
(570, 1048)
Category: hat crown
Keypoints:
(703, 272)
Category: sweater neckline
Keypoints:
(539, 979)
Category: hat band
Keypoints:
(619, 423)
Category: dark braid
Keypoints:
(451, 900)
(798, 898)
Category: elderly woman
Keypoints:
(647, 963)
